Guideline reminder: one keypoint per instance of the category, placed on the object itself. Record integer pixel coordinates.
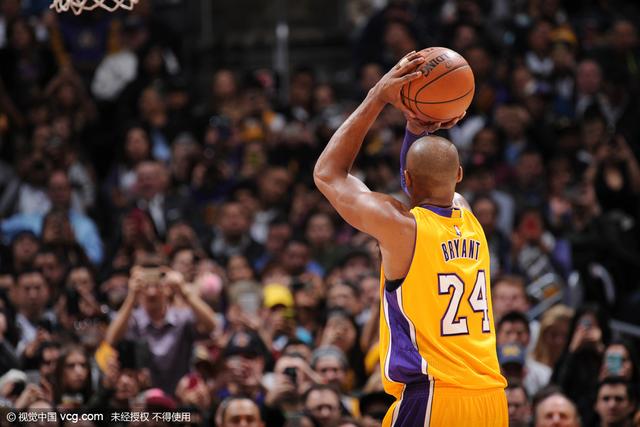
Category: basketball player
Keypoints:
(437, 338)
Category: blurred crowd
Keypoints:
(164, 247)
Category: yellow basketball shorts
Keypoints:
(428, 405)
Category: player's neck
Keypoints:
(441, 202)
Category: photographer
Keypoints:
(291, 378)
(170, 332)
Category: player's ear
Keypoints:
(407, 179)
(460, 174)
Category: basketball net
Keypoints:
(78, 6)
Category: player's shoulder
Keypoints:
(392, 205)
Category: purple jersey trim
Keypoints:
(446, 212)
(405, 365)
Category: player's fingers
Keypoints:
(410, 64)
(449, 124)
(408, 114)
(404, 60)
(453, 122)
(432, 127)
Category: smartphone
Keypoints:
(18, 388)
(613, 362)
(292, 374)
(586, 322)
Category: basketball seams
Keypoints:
(442, 102)
(439, 77)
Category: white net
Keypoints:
(78, 6)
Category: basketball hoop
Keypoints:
(78, 6)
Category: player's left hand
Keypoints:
(418, 127)
(388, 87)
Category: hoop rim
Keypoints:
(79, 6)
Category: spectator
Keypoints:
(616, 402)
(556, 410)
(323, 403)
(340, 330)
(554, 327)
(84, 229)
(272, 191)
(333, 368)
(486, 211)
(8, 358)
(120, 182)
(277, 237)
(23, 49)
(48, 355)
(512, 359)
(578, 368)
(31, 294)
(508, 294)
(239, 269)
(620, 359)
(320, 233)
(535, 251)
(231, 234)
(238, 411)
(344, 295)
(373, 407)
(292, 377)
(53, 267)
(169, 332)
(519, 405)
(24, 247)
(72, 379)
(152, 180)
(513, 328)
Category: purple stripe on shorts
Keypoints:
(413, 408)
(405, 363)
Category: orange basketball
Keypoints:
(445, 89)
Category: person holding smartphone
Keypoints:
(578, 369)
(170, 332)
(620, 360)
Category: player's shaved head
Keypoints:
(433, 166)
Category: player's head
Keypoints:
(433, 169)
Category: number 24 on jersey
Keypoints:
(451, 323)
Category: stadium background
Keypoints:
(185, 132)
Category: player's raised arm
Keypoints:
(366, 210)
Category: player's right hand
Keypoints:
(388, 87)
(418, 127)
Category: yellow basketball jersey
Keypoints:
(437, 324)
